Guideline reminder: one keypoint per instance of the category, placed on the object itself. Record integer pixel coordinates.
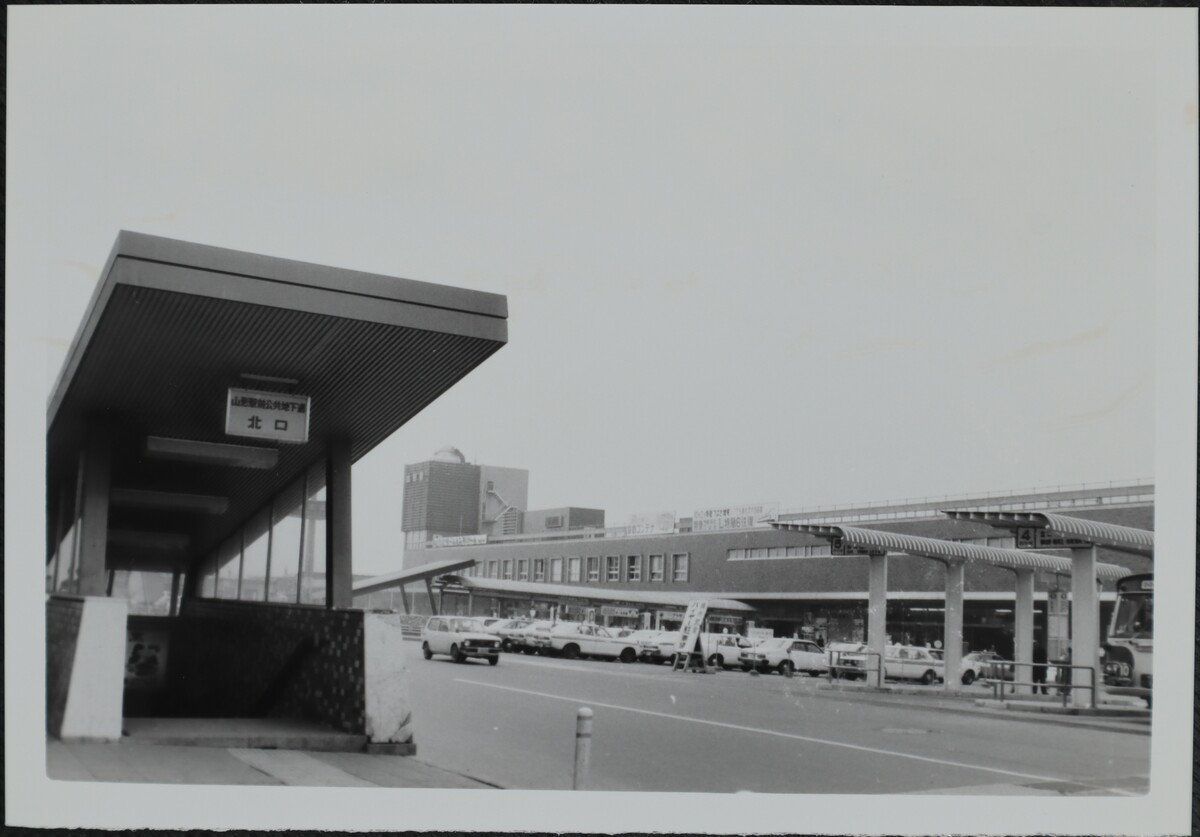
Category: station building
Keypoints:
(790, 582)
(200, 439)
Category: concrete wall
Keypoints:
(63, 615)
(244, 659)
(85, 665)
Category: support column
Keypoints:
(339, 579)
(404, 600)
(952, 636)
(1085, 621)
(433, 608)
(96, 463)
(877, 613)
(174, 606)
(1023, 624)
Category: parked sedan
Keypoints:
(517, 636)
(573, 640)
(785, 656)
(985, 664)
(660, 648)
(459, 638)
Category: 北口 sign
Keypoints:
(267, 415)
(733, 517)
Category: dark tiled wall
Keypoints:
(242, 659)
(63, 615)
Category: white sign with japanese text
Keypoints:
(267, 415)
(733, 517)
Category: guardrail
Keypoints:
(1064, 681)
(837, 665)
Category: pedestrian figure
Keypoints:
(1039, 667)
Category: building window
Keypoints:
(556, 570)
(737, 555)
(656, 568)
(679, 567)
(491, 569)
(523, 569)
(491, 485)
(613, 572)
(573, 564)
(593, 568)
(554, 521)
(633, 568)
(508, 569)
(758, 552)
(539, 569)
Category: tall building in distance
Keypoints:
(447, 496)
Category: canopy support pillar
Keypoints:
(1023, 623)
(95, 465)
(877, 612)
(953, 628)
(1085, 622)
(339, 578)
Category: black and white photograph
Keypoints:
(601, 419)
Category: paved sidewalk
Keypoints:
(174, 764)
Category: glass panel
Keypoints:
(312, 584)
(573, 569)
(207, 587)
(680, 572)
(656, 568)
(633, 571)
(285, 543)
(228, 562)
(254, 557)
(614, 568)
(148, 594)
(593, 568)
(556, 569)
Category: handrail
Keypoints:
(1065, 685)
(835, 664)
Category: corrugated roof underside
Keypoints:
(160, 363)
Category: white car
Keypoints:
(459, 637)
(574, 639)
(520, 638)
(659, 648)
(910, 662)
(724, 650)
(785, 655)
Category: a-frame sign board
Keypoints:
(689, 634)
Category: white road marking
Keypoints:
(793, 736)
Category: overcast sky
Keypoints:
(796, 256)
(793, 255)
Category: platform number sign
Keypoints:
(272, 416)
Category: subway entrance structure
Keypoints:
(200, 437)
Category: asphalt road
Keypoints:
(657, 730)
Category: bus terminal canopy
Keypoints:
(533, 588)
(1015, 559)
(1110, 535)
(423, 572)
(174, 328)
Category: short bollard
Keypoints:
(583, 747)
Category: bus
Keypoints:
(1128, 653)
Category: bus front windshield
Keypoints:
(1134, 618)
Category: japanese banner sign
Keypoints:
(693, 625)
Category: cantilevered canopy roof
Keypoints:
(873, 539)
(533, 588)
(431, 570)
(173, 325)
(1110, 535)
